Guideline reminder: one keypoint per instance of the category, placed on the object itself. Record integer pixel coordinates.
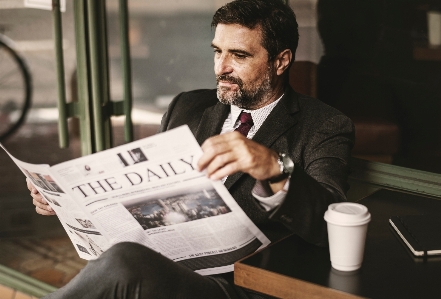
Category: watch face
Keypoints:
(288, 164)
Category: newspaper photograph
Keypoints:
(149, 192)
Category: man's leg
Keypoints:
(130, 270)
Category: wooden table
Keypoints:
(293, 268)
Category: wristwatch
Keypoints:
(286, 165)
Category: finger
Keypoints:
(224, 138)
(43, 209)
(226, 170)
(38, 197)
(31, 186)
(41, 204)
(222, 165)
(44, 212)
(219, 145)
(33, 189)
(210, 151)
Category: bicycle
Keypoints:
(15, 88)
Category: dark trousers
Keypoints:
(130, 270)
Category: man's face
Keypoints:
(243, 74)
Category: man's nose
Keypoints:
(222, 65)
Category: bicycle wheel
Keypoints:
(15, 88)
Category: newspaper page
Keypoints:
(87, 240)
(149, 192)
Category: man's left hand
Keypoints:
(232, 152)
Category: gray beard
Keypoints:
(237, 98)
(243, 98)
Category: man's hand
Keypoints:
(41, 206)
(232, 152)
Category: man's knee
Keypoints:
(126, 261)
(124, 250)
(132, 268)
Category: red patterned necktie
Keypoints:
(246, 122)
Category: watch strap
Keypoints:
(285, 170)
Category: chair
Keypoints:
(376, 139)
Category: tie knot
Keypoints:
(246, 122)
(245, 118)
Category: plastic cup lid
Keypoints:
(347, 214)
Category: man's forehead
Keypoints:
(239, 35)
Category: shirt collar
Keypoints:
(258, 115)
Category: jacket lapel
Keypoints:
(282, 118)
(212, 121)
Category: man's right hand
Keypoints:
(41, 206)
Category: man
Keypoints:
(254, 46)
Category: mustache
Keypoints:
(229, 79)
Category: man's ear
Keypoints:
(283, 61)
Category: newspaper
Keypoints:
(148, 192)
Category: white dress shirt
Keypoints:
(261, 191)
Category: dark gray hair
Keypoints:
(276, 19)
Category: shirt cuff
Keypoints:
(267, 199)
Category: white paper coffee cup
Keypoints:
(347, 227)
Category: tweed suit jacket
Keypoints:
(318, 139)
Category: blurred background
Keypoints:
(368, 58)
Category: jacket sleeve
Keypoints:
(167, 115)
(321, 181)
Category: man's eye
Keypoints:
(240, 56)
